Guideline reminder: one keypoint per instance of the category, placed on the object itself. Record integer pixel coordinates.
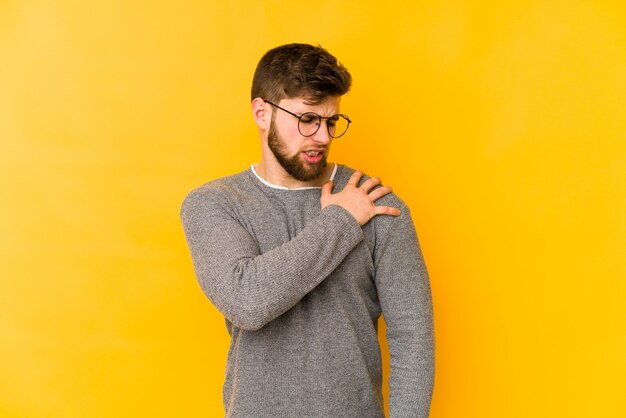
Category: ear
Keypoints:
(261, 113)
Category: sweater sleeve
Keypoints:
(249, 288)
(404, 291)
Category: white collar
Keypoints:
(274, 186)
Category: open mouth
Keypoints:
(313, 156)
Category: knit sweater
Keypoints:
(302, 289)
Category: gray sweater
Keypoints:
(302, 290)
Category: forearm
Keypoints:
(412, 372)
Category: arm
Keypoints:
(404, 292)
(249, 288)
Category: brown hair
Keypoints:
(299, 69)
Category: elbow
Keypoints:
(238, 296)
(243, 311)
(248, 324)
(248, 317)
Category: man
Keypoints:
(302, 257)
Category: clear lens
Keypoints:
(337, 126)
(310, 123)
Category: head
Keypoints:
(299, 70)
(300, 78)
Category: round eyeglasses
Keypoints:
(309, 122)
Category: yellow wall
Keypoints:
(502, 124)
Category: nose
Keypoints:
(322, 136)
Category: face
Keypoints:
(303, 158)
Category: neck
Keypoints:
(279, 177)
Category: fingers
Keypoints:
(369, 184)
(380, 192)
(386, 210)
(354, 178)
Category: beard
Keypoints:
(294, 165)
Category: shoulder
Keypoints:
(343, 175)
(219, 192)
(381, 229)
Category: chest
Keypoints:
(273, 220)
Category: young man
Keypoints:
(302, 257)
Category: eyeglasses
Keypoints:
(309, 123)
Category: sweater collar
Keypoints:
(275, 186)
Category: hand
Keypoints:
(359, 201)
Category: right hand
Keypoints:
(359, 200)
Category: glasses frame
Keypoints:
(321, 118)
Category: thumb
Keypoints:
(327, 188)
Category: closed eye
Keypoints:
(332, 121)
(309, 118)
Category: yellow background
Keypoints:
(502, 124)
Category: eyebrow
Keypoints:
(334, 115)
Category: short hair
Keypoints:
(299, 70)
